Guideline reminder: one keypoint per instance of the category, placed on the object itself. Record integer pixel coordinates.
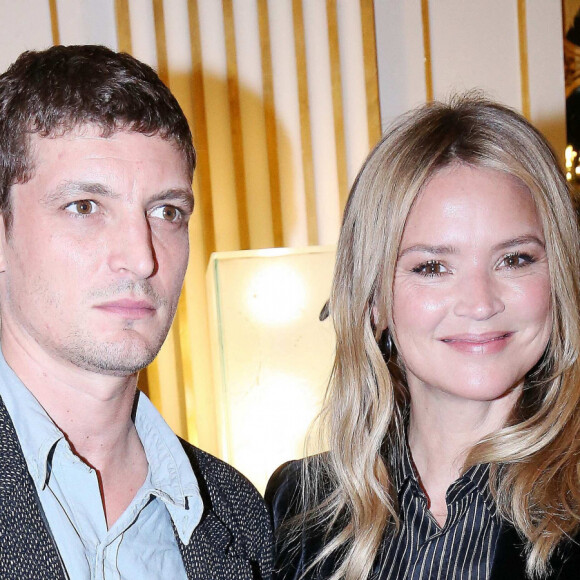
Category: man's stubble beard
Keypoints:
(81, 348)
(117, 358)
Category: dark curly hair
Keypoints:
(54, 91)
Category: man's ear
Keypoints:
(3, 242)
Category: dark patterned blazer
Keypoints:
(231, 542)
(290, 563)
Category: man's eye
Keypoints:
(430, 269)
(82, 207)
(169, 213)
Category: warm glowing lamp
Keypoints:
(272, 356)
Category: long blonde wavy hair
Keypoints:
(534, 457)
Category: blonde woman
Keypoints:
(453, 413)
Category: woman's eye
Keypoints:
(430, 268)
(169, 213)
(82, 207)
(516, 260)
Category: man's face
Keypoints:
(92, 267)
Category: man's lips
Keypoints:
(485, 343)
(128, 308)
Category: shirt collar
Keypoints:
(171, 476)
(403, 467)
(476, 478)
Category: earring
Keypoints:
(386, 344)
(325, 312)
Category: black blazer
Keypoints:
(231, 542)
(290, 563)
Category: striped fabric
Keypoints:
(462, 550)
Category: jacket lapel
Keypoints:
(509, 560)
(211, 553)
(26, 546)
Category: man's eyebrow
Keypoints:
(184, 196)
(429, 249)
(71, 188)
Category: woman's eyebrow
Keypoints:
(442, 249)
(520, 241)
(429, 249)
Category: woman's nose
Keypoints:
(478, 296)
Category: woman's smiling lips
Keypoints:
(129, 308)
(485, 343)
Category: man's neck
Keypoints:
(94, 412)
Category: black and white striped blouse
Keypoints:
(463, 549)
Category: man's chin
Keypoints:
(114, 359)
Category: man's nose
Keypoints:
(478, 296)
(132, 250)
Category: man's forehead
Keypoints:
(84, 160)
(124, 144)
(94, 131)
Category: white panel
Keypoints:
(476, 45)
(321, 120)
(212, 36)
(248, 52)
(177, 37)
(546, 71)
(354, 100)
(215, 75)
(253, 120)
(87, 22)
(285, 81)
(272, 356)
(400, 56)
(178, 45)
(25, 26)
(143, 31)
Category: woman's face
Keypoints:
(472, 310)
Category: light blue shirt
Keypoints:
(141, 544)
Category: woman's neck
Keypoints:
(442, 431)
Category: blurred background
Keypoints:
(285, 100)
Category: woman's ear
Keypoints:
(375, 316)
(379, 317)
